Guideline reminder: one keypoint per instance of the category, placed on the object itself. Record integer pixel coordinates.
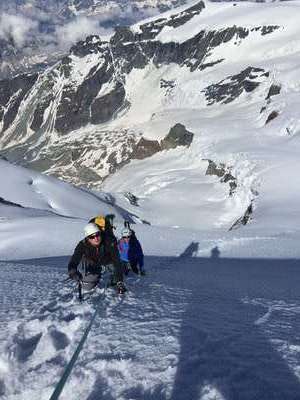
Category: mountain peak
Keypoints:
(92, 44)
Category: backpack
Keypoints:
(100, 221)
(105, 222)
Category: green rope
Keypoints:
(69, 367)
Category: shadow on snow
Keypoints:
(221, 344)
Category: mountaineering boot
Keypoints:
(112, 282)
(126, 268)
(121, 288)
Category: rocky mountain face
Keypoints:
(30, 59)
(63, 121)
(40, 42)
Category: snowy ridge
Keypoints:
(45, 201)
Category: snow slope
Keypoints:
(194, 328)
(45, 216)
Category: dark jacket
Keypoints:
(92, 258)
(135, 251)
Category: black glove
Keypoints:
(76, 275)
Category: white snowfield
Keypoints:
(217, 317)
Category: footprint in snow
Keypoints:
(59, 339)
(2, 387)
(22, 348)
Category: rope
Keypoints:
(80, 294)
(70, 365)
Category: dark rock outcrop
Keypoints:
(152, 29)
(92, 44)
(43, 104)
(79, 107)
(222, 172)
(104, 108)
(145, 148)
(133, 200)
(244, 219)
(214, 169)
(12, 92)
(164, 84)
(273, 91)
(178, 136)
(272, 116)
(265, 30)
(232, 87)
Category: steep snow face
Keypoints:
(42, 216)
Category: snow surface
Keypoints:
(194, 328)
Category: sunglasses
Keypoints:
(96, 235)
